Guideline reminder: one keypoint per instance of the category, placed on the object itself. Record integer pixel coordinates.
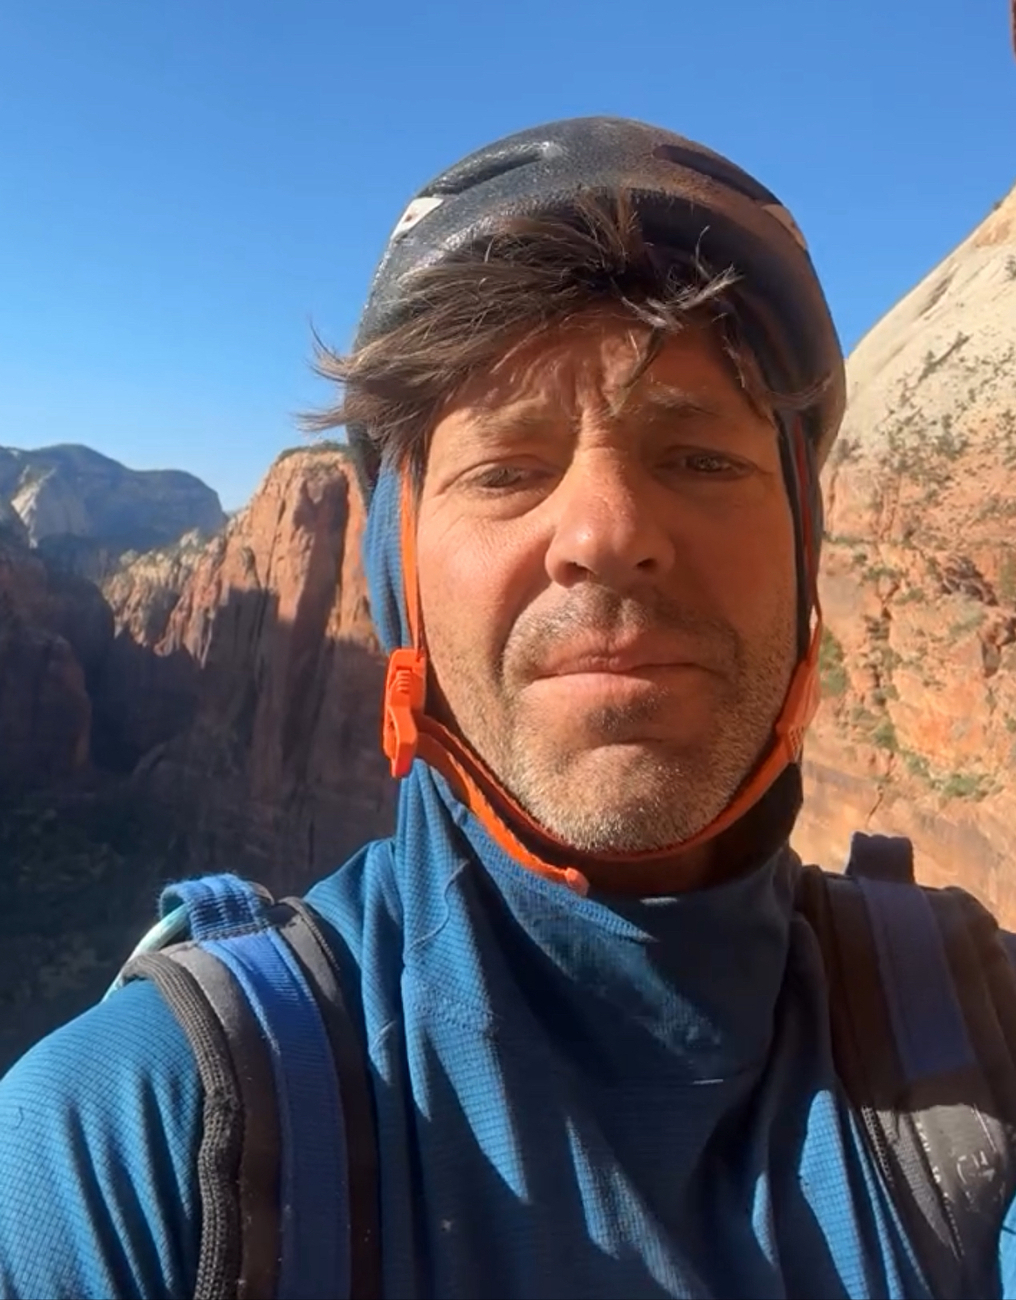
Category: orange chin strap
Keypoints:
(406, 682)
(408, 734)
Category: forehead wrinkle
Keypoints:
(526, 418)
(653, 396)
(554, 392)
(539, 417)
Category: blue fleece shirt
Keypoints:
(576, 1096)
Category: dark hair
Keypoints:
(472, 309)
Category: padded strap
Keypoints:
(239, 1142)
(931, 1036)
(315, 1213)
(972, 1133)
(923, 1015)
(301, 929)
(881, 857)
(257, 1180)
(275, 1173)
(868, 1062)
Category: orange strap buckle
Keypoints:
(405, 689)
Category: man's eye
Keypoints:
(707, 464)
(502, 477)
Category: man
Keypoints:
(590, 397)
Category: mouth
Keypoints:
(622, 699)
(645, 684)
(638, 659)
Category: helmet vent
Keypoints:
(717, 169)
(491, 164)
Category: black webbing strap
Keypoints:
(238, 1159)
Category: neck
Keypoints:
(676, 873)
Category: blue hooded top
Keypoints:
(577, 1095)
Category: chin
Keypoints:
(641, 769)
(638, 757)
(623, 797)
(621, 828)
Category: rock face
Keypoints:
(215, 706)
(73, 492)
(150, 690)
(54, 632)
(266, 636)
(234, 682)
(917, 733)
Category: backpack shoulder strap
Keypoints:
(302, 930)
(923, 1021)
(289, 1205)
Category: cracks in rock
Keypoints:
(842, 452)
(938, 291)
(879, 661)
(959, 575)
(881, 786)
(890, 509)
(880, 656)
(998, 634)
(933, 363)
(249, 564)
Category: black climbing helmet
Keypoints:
(687, 198)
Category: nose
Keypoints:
(610, 525)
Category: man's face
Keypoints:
(607, 582)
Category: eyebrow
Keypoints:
(658, 400)
(519, 417)
(669, 399)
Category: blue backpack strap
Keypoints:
(923, 1018)
(924, 1011)
(274, 1165)
(306, 934)
(880, 857)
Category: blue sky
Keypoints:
(186, 186)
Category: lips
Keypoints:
(630, 658)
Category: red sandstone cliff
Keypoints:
(54, 632)
(278, 767)
(917, 733)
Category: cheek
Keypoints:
(468, 594)
(747, 561)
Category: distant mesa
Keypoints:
(12, 526)
(83, 510)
